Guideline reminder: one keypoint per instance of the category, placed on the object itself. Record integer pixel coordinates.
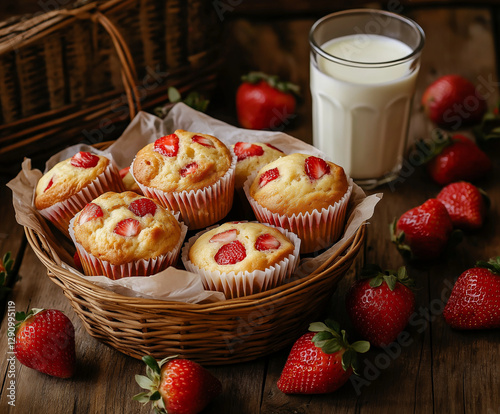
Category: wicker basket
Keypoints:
(80, 73)
(230, 331)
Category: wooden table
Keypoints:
(437, 370)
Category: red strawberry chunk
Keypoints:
(90, 212)
(206, 142)
(245, 149)
(273, 147)
(225, 237)
(124, 172)
(267, 242)
(189, 169)
(167, 145)
(51, 182)
(142, 206)
(230, 253)
(84, 160)
(316, 168)
(128, 228)
(268, 176)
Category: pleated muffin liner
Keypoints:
(198, 208)
(317, 229)
(62, 212)
(93, 266)
(236, 285)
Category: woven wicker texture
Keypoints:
(83, 72)
(230, 331)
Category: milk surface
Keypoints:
(361, 114)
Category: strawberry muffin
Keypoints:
(242, 258)
(190, 173)
(251, 157)
(68, 186)
(304, 194)
(124, 234)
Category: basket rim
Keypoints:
(45, 253)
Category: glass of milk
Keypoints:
(364, 66)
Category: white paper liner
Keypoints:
(317, 229)
(62, 212)
(235, 285)
(198, 208)
(145, 267)
(173, 284)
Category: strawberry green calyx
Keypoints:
(272, 80)
(433, 147)
(330, 338)
(22, 317)
(151, 382)
(493, 265)
(390, 277)
(399, 240)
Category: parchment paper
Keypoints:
(171, 284)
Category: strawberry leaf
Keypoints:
(144, 382)
(332, 325)
(361, 346)
(332, 346)
(155, 396)
(493, 265)
(317, 327)
(151, 363)
(142, 397)
(391, 281)
(173, 94)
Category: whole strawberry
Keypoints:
(380, 304)
(423, 232)
(452, 101)
(465, 204)
(475, 298)
(45, 341)
(456, 159)
(177, 386)
(265, 102)
(320, 361)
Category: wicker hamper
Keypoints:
(230, 331)
(80, 73)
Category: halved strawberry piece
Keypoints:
(267, 242)
(128, 228)
(84, 160)
(245, 149)
(268, 176)
(124, 172)
(50, 183)
(225, 237)
(189, 169)
(273, 147)
(230, 253)
(167, 145)
(206, 142)
(316, 168)
(90, 212)
(142, 206)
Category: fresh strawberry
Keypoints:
(167, 145)
(268, 176)
(90, 212)
(316, 167)
(246, 149)
(177, 386)
(465, 204)
(230, 253)
(273, 147)
(50, 184)
(84, 160)
(265, 102)
(206, 142)
(380, 304)
(225, 237)
(452, 101)
(142, 207)
(456, 159)
(77, 262)
(189, 169)
(475, 298)
(128, 227)
(45, 341)
(320, 361)
(124, 171)
(267, 242)
(424, 231)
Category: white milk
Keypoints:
(361, 114)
